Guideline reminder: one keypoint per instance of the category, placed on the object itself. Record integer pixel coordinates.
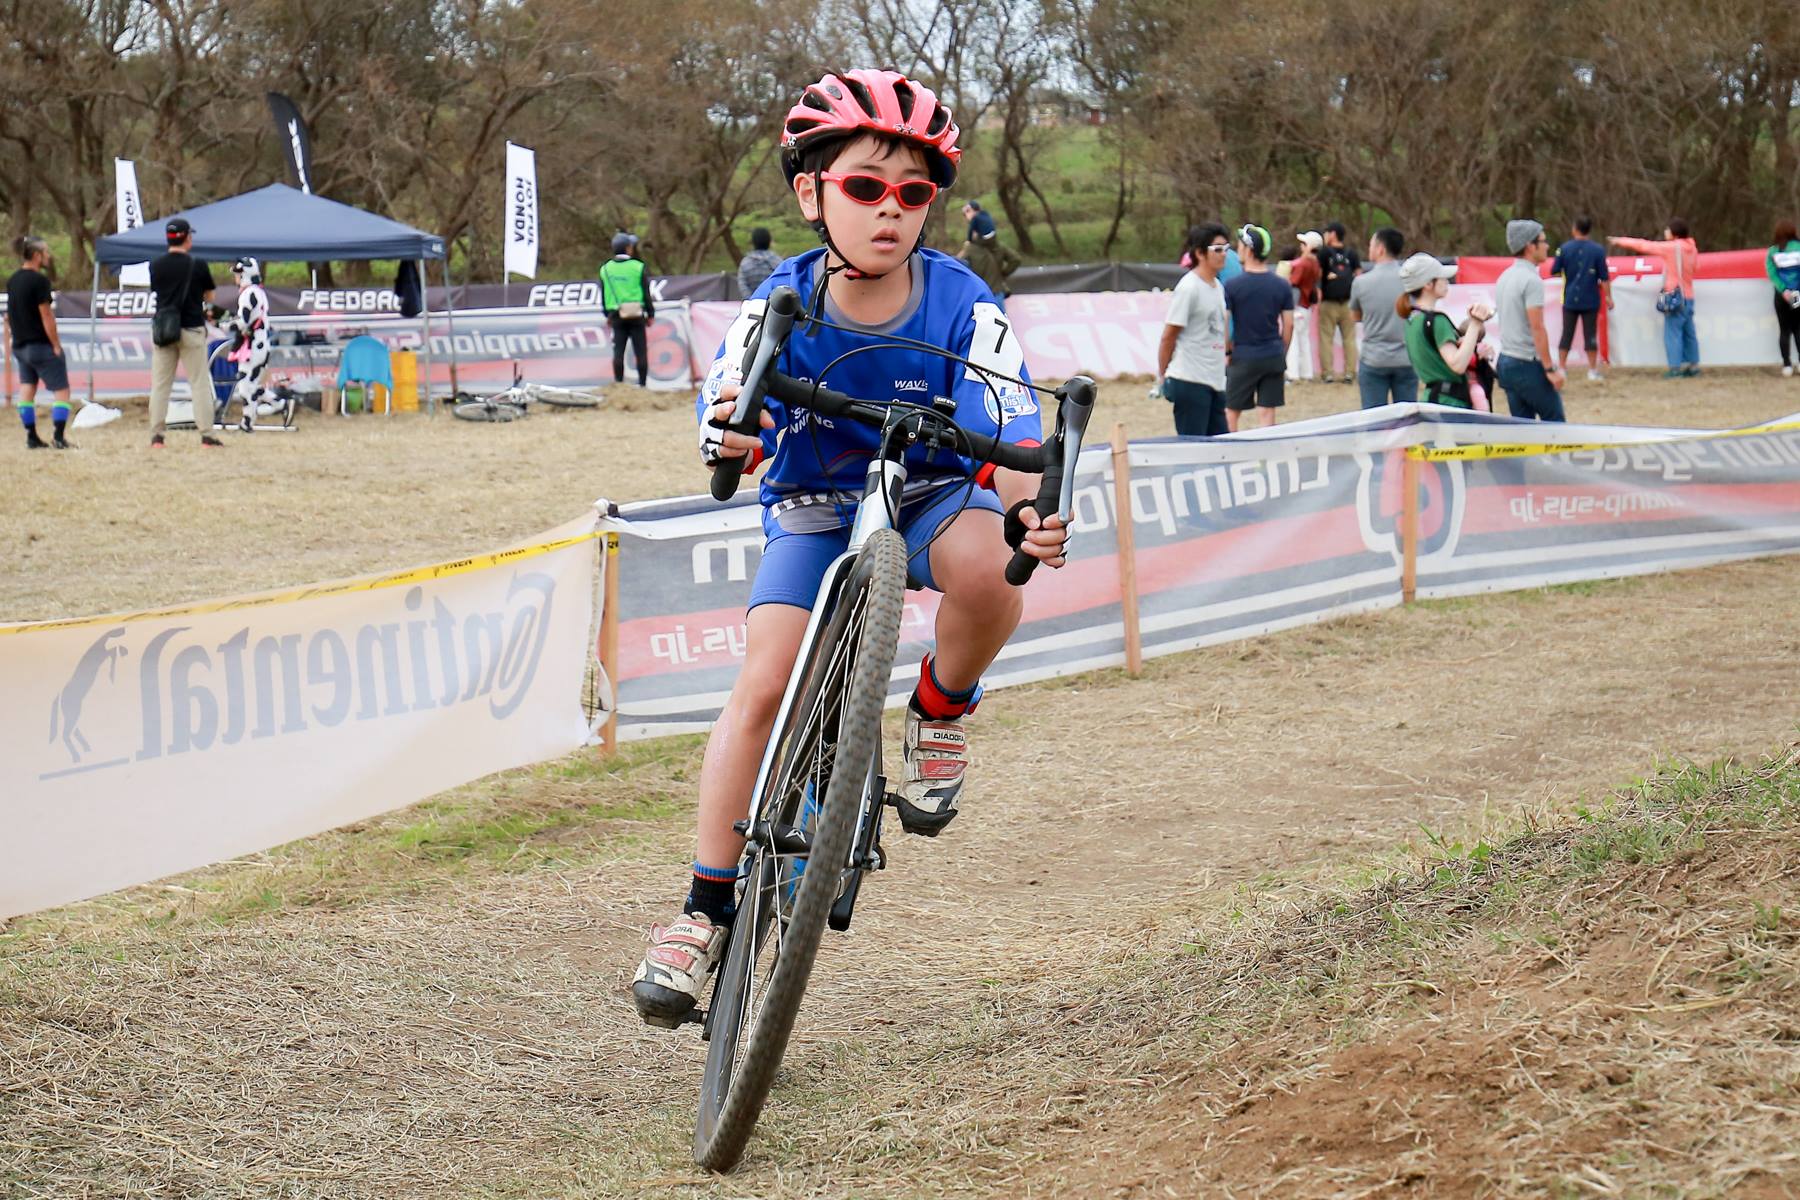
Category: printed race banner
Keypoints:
(1498, 523)
(567, 347)
(149, 743)
(1247, 534)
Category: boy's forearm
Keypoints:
(1013, 486)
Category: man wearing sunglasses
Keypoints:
(1190, 360)
(866, 153)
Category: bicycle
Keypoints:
(819, 791)
(513, 401)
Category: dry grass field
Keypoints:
(1370, 908)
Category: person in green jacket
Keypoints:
(625, 295)
(1784, 274)
(1442, 354)
(990, 260)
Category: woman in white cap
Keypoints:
(1441, 353)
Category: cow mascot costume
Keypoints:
(249, 329)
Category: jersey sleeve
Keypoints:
(728, 367)
(995, 404)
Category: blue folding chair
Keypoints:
(365, 360)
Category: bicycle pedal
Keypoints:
(693, 1016)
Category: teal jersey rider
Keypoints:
(623, 280)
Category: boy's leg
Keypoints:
(735, 747)
(978, 612)
(683, 953)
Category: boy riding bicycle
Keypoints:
(866, 152)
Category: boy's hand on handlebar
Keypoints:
(718, 442)
(1044, 538)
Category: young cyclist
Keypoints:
(866, 152)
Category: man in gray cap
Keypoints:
(1532, 386)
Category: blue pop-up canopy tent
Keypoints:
(278, 223)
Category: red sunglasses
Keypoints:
(872, 189)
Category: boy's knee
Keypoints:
(986, 590)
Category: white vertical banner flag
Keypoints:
(131, 215)
(521, 211)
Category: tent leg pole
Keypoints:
(93, 328)
(450, 319)
(428, 403)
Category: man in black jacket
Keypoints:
(1339, 265)
(181, 280)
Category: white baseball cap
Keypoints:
(1421, 269)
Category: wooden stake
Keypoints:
(609, 643)
(1128, 589)
(1409, 529)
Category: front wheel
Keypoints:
(782, 907)
(488, 410)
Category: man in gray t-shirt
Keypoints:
(1384, 373)
(1531, 390)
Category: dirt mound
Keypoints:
(1607, 1009)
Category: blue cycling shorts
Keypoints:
(794, 563)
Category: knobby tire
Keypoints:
(846, 687)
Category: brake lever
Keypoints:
(1056, 489)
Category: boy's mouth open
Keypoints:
(886, 239)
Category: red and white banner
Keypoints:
(1242, 535)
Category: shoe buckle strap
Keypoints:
(934, 735)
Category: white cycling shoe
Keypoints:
(681, 956)
(934, 755)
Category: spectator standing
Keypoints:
(1303, 277)
(1587, 287)
(992, 261)
(1339, 265)
(1784, 275)
(37, 343)
(757, 265)
(1531, 391)
(1190, 360)
(1386, 374)
(1679, 255)
(181, 281)
(981, 222)
(625, 296)
(1441, 353)
(1261, 305)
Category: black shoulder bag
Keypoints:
(165, 323)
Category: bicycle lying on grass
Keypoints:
(819, 791)
(512, 402)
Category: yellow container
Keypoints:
(406, 380)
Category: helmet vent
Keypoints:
(812, 100)
(862, 95)
(939, 119)
(907, 97)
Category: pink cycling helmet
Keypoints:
(844, 104)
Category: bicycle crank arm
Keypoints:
(781, 839)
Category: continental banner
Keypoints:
(1247, 534)
(149, 743)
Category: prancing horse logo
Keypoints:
(65, 709)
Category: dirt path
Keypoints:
(401, 1028)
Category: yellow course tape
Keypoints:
(342, 587)
(1499, 450)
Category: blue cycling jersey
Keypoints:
(816, 465)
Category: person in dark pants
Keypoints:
(1587, 287)
(1783, 266)
(625, 295)
(1533, 390)
(1261, 305)
(36, 343)
(1190, 360)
